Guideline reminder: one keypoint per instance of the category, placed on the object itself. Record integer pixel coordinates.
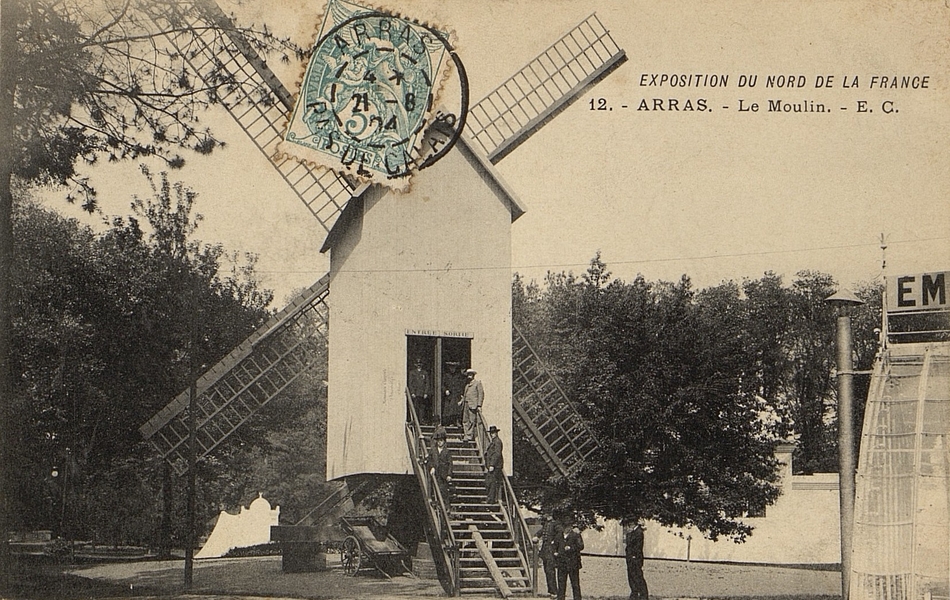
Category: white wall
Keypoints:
(437, 258)
(802, 527)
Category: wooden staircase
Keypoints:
(470, 507)
(492, 550)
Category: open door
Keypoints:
(434, 366)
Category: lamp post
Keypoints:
(844, 301)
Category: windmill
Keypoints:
(407, 285)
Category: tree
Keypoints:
(85, 81)
(689, 391)
(657, 371)
(109, 327)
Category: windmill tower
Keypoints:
(419, 276)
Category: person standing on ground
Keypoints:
(567, 555)
(548, 539)
(634, 556)
(495, 463)
(472, 399)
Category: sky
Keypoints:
(718, 194)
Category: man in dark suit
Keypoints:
(440, 465)
(495, 463)
(634, 556)
(420, 387)
(567, 555)
(548, 539)
(453, 383)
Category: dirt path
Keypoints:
(258, 577)
(600, 578)
(607, 577)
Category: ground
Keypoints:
(261, 577)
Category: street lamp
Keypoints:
(844, 302)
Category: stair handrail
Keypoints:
(511, 511)
(419, 454)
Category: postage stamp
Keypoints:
(368, 95)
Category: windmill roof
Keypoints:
(478, 161)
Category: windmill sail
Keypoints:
(544, 411)
(256, 99)
(245, 380)
(545, 86)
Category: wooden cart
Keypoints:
(368, 544)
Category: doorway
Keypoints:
(434, 367)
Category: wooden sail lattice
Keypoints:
(257, 100)
(245, 380)
(542, 408)
(549, 83)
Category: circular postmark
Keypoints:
(368, 103)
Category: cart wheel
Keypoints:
(350, 556)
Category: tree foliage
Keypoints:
(688, 391)
(82, 81)
(109, 327)
(96, 80)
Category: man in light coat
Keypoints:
(472, 399)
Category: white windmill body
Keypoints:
(431, 264)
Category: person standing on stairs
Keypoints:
(495, 465)
(567, 554)
(472, 399)
(453, 382)
(420, 388)
(440, 465)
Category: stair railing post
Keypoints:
(534, 568)
(456, 567)
(436, 506)
(509, 506)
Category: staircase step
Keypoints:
(482, 526)
(472, 563)
(463, 514)
(497, 537)
(471, 582)
(472, 552)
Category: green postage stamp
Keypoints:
(368, 95)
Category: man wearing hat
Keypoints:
(440, 465)
(453, 383)
(420, 386)
(634, 556)
(472, 399)
(495, 463)
(548, 539)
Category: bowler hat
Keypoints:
(492, 429)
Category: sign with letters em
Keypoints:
(917, 293)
